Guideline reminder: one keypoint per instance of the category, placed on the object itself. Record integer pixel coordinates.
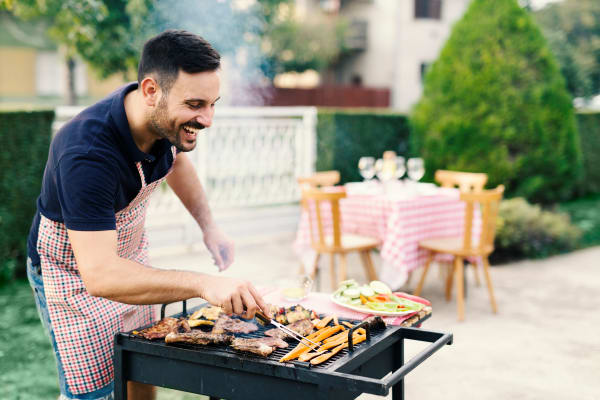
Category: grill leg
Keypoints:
(120, 389)
(398, 388)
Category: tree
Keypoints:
(105, 33)
(572, 28)
(495, 102)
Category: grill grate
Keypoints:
(274, 357)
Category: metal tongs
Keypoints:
(262, 318)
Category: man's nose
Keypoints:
(205, 118)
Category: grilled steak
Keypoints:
(198, 337)
(233, 325)
(261, 346)
(164, 327)
(303, 327)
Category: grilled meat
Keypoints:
(198, 337)
(164, 327)
(262, 346)
(303, 327)
(233, 325)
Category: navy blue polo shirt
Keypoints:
(91, 172)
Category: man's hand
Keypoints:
(235, 296)
(220, 247)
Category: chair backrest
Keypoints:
(322, 178)
(312, 202)
(466, 181)
(489, 202)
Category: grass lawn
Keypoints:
(585, 214)
(27, 366)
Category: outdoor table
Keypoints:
(398, 218)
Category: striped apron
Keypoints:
(84, 326)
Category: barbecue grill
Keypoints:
(223, 372)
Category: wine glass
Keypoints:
(366, 166)
(383, 170)
(400, 167)
(416, 168)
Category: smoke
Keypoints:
(233, 27)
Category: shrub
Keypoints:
(495, 102)
(25, 139)
(343, 136)
(585, 214)
(527, 231)
(589, 134)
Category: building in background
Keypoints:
(33, 70)
(392, 43)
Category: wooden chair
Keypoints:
(466, 181)
(322, 178)
(466, 246)
(337, 242)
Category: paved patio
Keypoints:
(543, 343)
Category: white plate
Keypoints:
(367, 310)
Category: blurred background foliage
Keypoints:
(526, 231)
(572, 28)
(25, 143)
(495, 101)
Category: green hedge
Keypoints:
(343, 136)
(589, 136)
(25, 138)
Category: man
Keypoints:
(87, 247)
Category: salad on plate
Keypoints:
(376, 298)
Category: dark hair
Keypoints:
(173, 50)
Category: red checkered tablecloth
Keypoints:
(400, 222)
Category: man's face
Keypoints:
(186, 109)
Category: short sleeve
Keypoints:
(86, 189)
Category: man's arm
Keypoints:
(107, 275)
(185, 183)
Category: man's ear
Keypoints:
(150, 91)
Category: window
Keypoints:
(428, 9)
(424, 69)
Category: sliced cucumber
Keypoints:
(353, 293)
(349, 283)
(380, 287)
(355, 302)
(366, 291)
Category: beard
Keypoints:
(166, 128)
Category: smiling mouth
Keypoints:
(190, 133)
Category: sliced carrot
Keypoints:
(327, 356)
(328, 345)
(348, 324)
(300, 349)
(335, 320)
(311, 355)
(323, 323)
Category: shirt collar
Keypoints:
(122, 124)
